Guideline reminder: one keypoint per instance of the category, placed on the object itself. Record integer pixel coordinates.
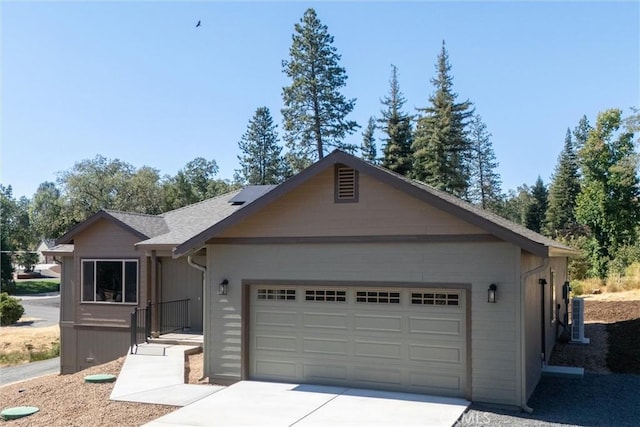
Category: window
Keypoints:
(434, 298)
(113, 281)
(325, 295)
(278, 294)
(346, 184)
(378, 297)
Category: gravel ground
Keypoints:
(598, 399)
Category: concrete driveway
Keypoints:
(253, 403)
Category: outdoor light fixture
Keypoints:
(222, 288)
(491, 293)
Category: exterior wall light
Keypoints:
(222, 287)
(491, 293)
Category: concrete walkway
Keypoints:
(156, 375)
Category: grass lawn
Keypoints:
(37, 286)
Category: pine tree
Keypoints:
(484, 188)
(534, 219)
(440, 146)
(609, 199)
(397, 126)
(581, 133)
(260, 161)
(560, 218)
(368, 150)
(315, 111)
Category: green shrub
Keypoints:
(10, 309)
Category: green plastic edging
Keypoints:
(18, 412)
(100, 378)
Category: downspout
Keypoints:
(523, 348)
(203, 269)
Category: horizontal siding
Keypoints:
(474, 264)
(181, 281)
(309, 210)
(106, 240)
(96, 346)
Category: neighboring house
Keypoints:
(346, 274)
(43, 246)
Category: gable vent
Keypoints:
(346, 186)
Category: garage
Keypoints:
(392, 338)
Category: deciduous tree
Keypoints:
(608, 203)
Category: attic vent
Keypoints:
(346, 184)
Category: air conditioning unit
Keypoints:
(577, 322)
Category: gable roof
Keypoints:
(167, 229)
(502, 228)
(141, 225)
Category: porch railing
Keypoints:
(170, 316)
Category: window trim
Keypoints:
(123, 261)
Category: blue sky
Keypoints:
(138, 82)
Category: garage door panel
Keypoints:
(277, 369)
(328, 346)
(376, 349)
(276, 318)
(276, 343)
(324, 372)
(432, 353)
(377, 323)
(398, 339)
(433, 325)
(449, 384)
(325, 321)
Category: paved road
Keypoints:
(12, 374)
(44, 310)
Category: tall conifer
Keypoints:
(315, 112)
(441, 146)
(396, 125)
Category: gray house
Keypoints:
(346, 274)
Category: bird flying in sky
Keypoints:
(198, 24)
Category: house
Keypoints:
(44, 245)
(346, 274)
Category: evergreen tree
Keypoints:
(609, 199)
(260, 161)
(397, 126)
(368, 149)
(560, 218)
(440, 146)
(536, 211)
(515, 204)
(315, 111)
(484, 188)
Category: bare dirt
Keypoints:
(66, 400)
(612, 323)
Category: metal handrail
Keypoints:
(172, 316)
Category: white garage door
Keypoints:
(397, 339)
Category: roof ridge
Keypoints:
(132, 213)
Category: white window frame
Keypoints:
(114, 299)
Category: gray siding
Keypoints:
(181, 281)
(493, 373)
